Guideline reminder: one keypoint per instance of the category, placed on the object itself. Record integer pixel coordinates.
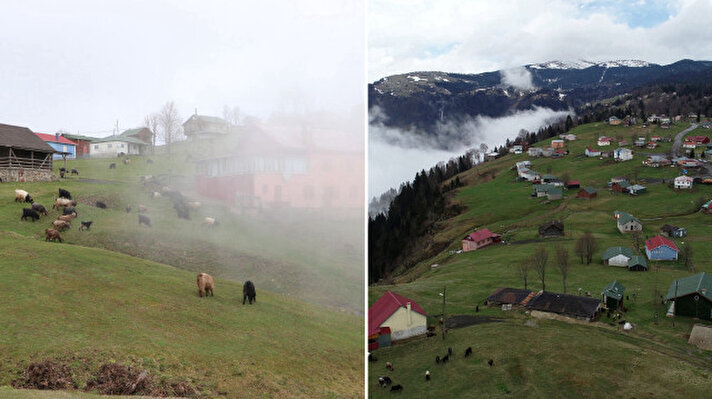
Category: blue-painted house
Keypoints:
(60, 145)
(660, 248)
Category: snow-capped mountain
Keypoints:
(583, 64)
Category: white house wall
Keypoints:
(112, 149)
(619, 260)
(402, 327)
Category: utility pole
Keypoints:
(442, 327)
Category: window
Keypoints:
(96, 146)
(108, 146)
(122, 145)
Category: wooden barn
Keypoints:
(691, 296)
(587, 192)
(510, 296)
(553, 228)
(637, 263)
(612, 295)
(24, 156)
(578, 307)
(403, 316)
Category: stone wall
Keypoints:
(27, 175)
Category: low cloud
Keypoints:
(395, 156)
(519, 78)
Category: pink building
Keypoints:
(479, 239)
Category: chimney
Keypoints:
(410, 314)
(56, 136)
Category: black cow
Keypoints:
(40, 208)
(31, 213)
(384, 381)
(468, 351)
(85, 225)
(64, 194)
(100, 204)
(248, 292)
(445, 359)
(128, 209)
(395, 388)
(437, 359)
(490, 362)
(75, 172)
(112, 166)
(372, 358)
(70, 211)
(144, 219)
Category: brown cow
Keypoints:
(205, 284)
(52, 234)
(66, 218)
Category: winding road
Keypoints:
(677, 145)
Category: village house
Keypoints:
(553, 228)
(547, 152)
(129, 142)
(62, 146)
(555, 193)
(623, 154)
(604, 141)
(640, 142)
(614, 121)
(660, 248)
(621, 187)
(689, 144)
(688, 163)
(82, 144)
(557, 144)
(673, 231)
(204, 127)
(637, 264)
(540, 190)
(698, 140)
(590, 152)
(587, 192)
(636, 189)
(574, 306)
(551, 179)
(612, 295)
(571, 184)
(655, 139)
(683, 182)
(24, 156)
(568, 137)
(627, 223)
(656, 161)
(517, 149)
(510, 296)
(617, 256)
(652, 145)
(534, 151)
(479, 239)
(691, 296)
(403, 316)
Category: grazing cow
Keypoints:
(449, 351)
(445, 359)
(85, 225)
(372, 358)
(40, 208)
(389, 366)
(100, 204)
(75, 172)
(144, 219)
(248, 292)
(128, 209)
(490, 362)
(142, 209)
(205, 284)
(126, 161)
(210, 222)
(396, 388)
(384, 381)
(437, 359)
(29, 213)
(64, 194)
(155, 194)
(112, 166)
(61, 225)
(52, 234)
(468, 351)
(149, 160)
(427, 375)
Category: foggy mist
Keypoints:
(395, 156)
(519, 78)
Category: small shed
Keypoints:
(612, 295)
(626, 222)
(554, 194)
(573, 184)
(553, 228)
(691, 296)
(671, 231)
(510, 296)
(587, 192)
(637, 263)
(636, 189)
(621, 187)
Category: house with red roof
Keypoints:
(660, 248)
(403, 316)
(61, 145)
(479, 239)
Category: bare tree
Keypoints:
(539, 260)
(151, 121)
(523, 270)
(586, 246)
(484, 148)
(232, 115)
(579, 249)
(169, 121)
(562, 262)
(687, 257)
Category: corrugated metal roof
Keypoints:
(385, 306)
(53, 138)
(568, 305)
(614, 289)
(615, 251)
(658, 241)
(700, 283)
(637, 260)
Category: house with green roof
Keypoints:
(612, 295)
(617, 256)
(637, 263)
(691, 296)
(82, 143)
(201, 127)
(626, 222)
(130, 142)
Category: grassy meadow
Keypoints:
(126, 293)
(552, 358)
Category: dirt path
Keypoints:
(677, 145)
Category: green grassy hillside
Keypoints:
(553, 358)
(126, 293)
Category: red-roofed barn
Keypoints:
(403, 316)
(479, 239)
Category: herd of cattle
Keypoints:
(67, 207)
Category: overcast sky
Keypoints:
(478, 35)
(82, 65)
